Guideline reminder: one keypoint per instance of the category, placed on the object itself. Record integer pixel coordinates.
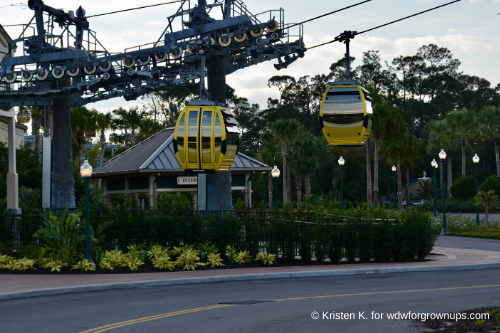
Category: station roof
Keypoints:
(156, 154)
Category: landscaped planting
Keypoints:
(174, 242)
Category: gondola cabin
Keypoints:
(346, 114)
(206, 137)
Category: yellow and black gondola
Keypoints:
(206, 138)
(346, 114)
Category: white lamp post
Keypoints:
(86, 172)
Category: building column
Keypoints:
(195, 200)
(12, 177)
(152, 191)
(107, 196)
(249, 192)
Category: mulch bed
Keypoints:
(149, 268)
(465, 325)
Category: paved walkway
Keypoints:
(22, 285)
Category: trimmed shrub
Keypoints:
(491, 183)
(464, 187)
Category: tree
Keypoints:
(83, 122)
(486, 199)
(147, 128)
(304, 153)
(409, 156)
(130, 119)
(381, 114)
(103, 123)
(269, 154)
(166, 103)
(285, 130)
(396, 139)
(490, 129)
(461, 126)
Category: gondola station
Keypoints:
(151, 167)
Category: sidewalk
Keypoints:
(20, 286)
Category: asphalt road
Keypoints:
(468, 243)
(197, 308)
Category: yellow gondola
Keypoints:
(346, 114)
(206, 137)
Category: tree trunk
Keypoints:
(400, 190)
(369, 196)
(497, 156)
(270, 185)
(376, 201)
(450, 178)
(307, 185)
(284, 151)
(101, 161)
(133, 137)
(463, 157)
(298, 184)
(407, 194)
(289, 182)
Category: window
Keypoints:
(193, 137)
(218, 137)
(180, 139)
(343, 107)
(206, 133)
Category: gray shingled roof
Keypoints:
(156, 154)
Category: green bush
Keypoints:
(491, 183)
(464, 187)
(168, 201)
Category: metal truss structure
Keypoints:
(61, 55)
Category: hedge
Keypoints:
(288, 235)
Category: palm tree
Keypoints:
(82, 122)
(103, 123)
(490, 129)
(461, 125)
(409, 156)
(131, 119)
(304, 161)
(382, 112)
(369, 192)
(396, 140)
(37, 115)
(268, 154)
(285, 130)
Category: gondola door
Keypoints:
(192, 117)
(207, 138)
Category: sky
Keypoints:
(469, 29)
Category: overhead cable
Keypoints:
(330, 13)
(136, 8)
(383, 25)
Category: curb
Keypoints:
(243, 277)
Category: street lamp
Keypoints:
(394, 176)
(341, 163)
(275, 173)
(434, 182)
(86, 172)
(442, 157)
(475, 159)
